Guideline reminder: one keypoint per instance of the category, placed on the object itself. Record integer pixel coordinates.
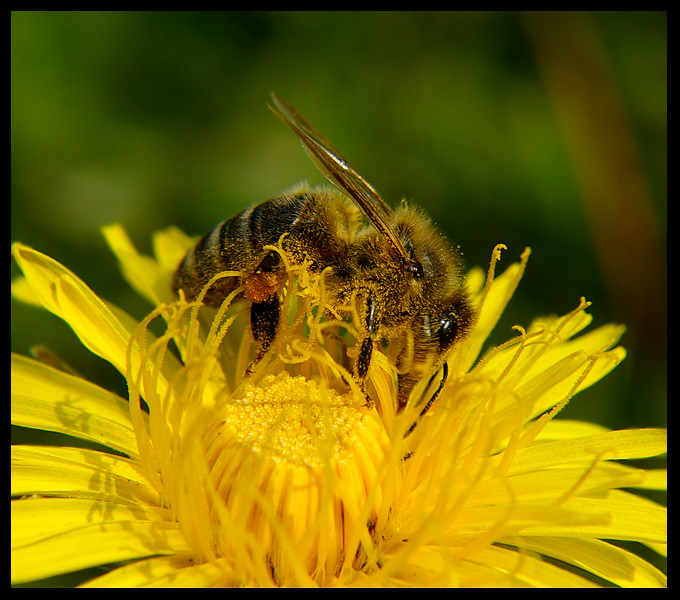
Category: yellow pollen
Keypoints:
(293, 419)
(297, 474)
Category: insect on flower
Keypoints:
(401, 274)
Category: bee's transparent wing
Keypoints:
(340, 173)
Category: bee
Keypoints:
(396, 268)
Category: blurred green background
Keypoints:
(543, 129)
(546, 130)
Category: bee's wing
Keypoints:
(340, 173)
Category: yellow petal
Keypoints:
(94, 545)
(63, 294)
(169, 571)
(37, 518)
(551, 484)
(565, 429)
(620, 445)
(607, 561)
(105, 330)
(78, 472)
(629, 517)
(21, 291)
(494, 304)
(143, 273)
(44, 398)
(170, 246)
(655, 479)
(524, 570)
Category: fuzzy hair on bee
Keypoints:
(402, 275)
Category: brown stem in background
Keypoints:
(606, 165)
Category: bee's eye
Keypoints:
(454, 321)
(415, 269)
(448, 330)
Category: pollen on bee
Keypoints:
(261, 286)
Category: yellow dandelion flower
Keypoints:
(201, 478)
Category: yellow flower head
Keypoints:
(289, 477)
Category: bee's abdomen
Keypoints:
(202, 262)
(237, 244)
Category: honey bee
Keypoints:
(397, 269)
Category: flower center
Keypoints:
(293, 420)
(297, 473)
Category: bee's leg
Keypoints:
(364, 358)
(363, 361)
(361, 367)
(261, 288)
(428, 404)
(264, 323)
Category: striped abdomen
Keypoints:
(238, 243)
